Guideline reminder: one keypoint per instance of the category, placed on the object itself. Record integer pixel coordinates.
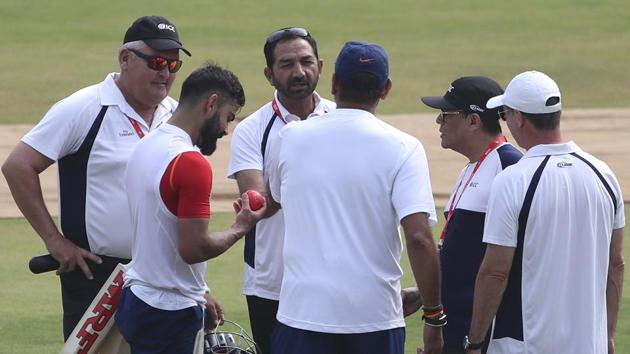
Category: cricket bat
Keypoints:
(95, 332)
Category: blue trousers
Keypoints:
(153, 331)
(289, 340)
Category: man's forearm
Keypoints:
(423, 257)
(25, 188)
(614, 284)
(426, 271)
(221, 241)
(489, 289)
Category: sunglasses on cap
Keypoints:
(157, 62)
(287, 32)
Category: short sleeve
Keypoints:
(245, 149)
(63, 129)
(186, 185)
(620, 217)
(501, 224)
(411, 192)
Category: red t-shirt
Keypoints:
(186, 185)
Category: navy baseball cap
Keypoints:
(469, 94)
(365, 57)
(156, 31)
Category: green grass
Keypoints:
(30, 305)
(51, 49)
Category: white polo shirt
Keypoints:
(263, 245)
(345, 180)
(157, 273)
(93, 209)
(555, 301)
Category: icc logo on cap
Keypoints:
(164, 26)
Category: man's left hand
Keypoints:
(214, 312)
(411, 300)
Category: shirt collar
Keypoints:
(320, 108)
(111, 95)
(552, 149)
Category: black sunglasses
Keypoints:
(287, 32)
(503, 112)
(157, 62)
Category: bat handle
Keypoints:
(42, 264)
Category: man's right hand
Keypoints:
(70, 255)
(433, 342)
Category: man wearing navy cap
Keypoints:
(469, 128)
(346, 180)
(91, 134)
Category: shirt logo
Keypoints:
(126, 132)
(164, 26)
(564, 164)
(474, 184)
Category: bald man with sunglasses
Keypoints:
(90, 134)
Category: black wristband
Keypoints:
(439, 321)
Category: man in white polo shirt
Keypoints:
(91, 134)
(346, 180)
(293, 68)
(553, 267)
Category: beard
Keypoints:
(296, 88)
(209, 133)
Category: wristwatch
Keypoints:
(471, 346)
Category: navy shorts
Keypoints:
(151, 330)
(289, 340)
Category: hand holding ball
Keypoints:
(256, 200)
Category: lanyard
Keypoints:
(455, 200)
(276, 111)
(136, 127)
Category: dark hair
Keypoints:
(490, 121)
(209, 79)
(363, 87)
(285, 34)
(544, 121)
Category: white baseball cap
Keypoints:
(530, 92)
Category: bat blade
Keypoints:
(95, 332)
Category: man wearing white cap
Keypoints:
(553, 267)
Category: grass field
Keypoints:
(51, 49)
(30, 305)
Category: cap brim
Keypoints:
(438, 102)
(165, 44)
(495, 102)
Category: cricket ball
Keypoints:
(256, 200)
